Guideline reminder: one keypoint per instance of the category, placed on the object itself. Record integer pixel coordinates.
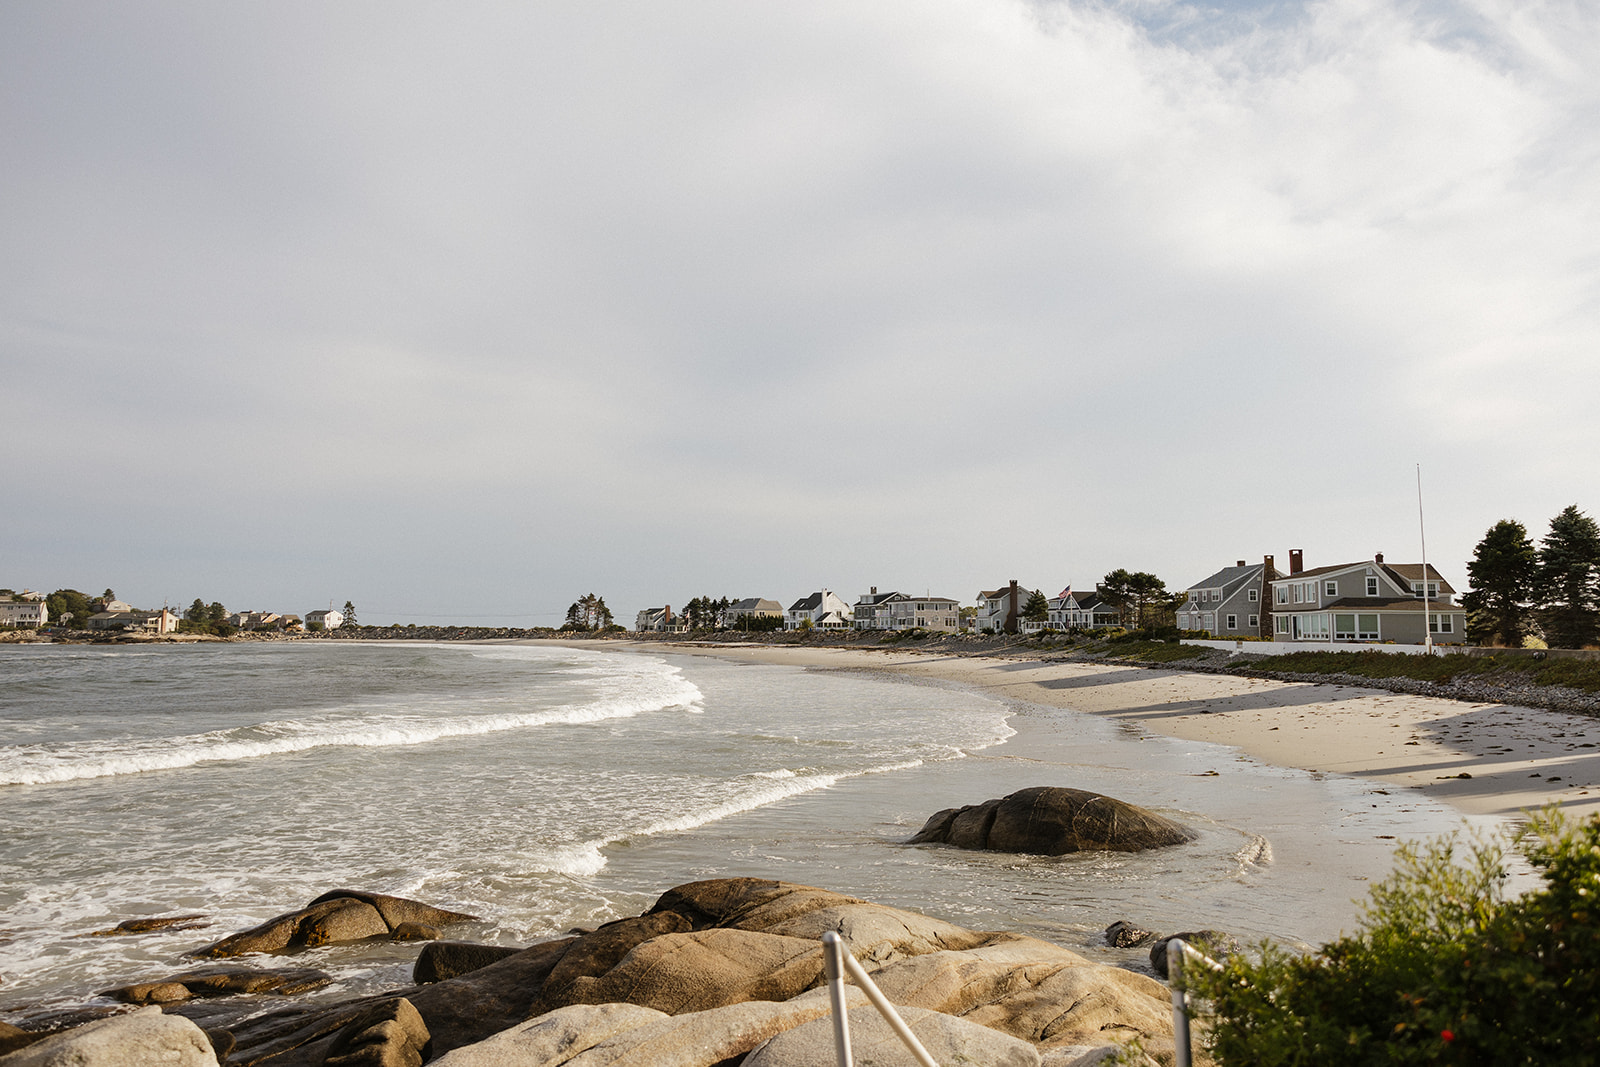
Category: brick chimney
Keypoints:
(1377, 557)
(1297, 561)
(1239, 564)
(1267, 571)
(1013, 608)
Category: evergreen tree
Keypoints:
(574, 618)
(349, 614)
(1037, 609)
(1502, 574)
(1568, 580)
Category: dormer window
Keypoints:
(1432, 590)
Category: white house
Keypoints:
(150, 622)
(1000, 609)
(327, 618)
(23, 613)
(824, 609)
(1080, 611)
(653, 620)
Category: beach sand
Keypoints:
(1483, 759)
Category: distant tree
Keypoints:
(64, 602)
(196, 612)
(1037, 609)
(574, 618)
(1133, 595)
(349, 614)
(108, 596)
(1502, 573)
(1568, 580)
(216, 613)
(601, 617)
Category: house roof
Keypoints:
(1358, 603)
(807, 603)
(753, 603)
(1227, 576)
(1412, 572)
(876, 598)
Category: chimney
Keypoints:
(1239, 564)
(1377, 557)
(1013, 610)
(1267, 568)
(666, 612)
(874, 591)
(1297, 561)
(1267, 571)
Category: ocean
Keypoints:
(545, 787)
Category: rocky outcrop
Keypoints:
(145, 926)
(947, 1039)
(1214, 943)
(219, 982)
(342, 915)
(715, 969)
(451, 959)
(389, 1034)
(1052, 821)
(137, 1039)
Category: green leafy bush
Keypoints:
(1443, 969)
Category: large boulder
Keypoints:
(1052, 821)
(220, 982)
(136, 1039)
(343, 915)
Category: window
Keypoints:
(1282, 593)
(1330, 588)
(1439, 624)
(1255, 622)
(1297, 588)
(1280, 624)
(1233, 622)
(1433, 590)
(1255, 595)
(1372, 585)
(1314, 627)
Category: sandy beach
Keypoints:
(1483, 759)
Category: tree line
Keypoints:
(1549, 591)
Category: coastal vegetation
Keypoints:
(1445, 968)
(1505, 669)
(1520, 592)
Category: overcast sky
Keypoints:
(460, 311)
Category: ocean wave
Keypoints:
(43, 764)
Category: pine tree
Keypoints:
(349, 614)
(1502, 574)
(1568, 580)
(1037, 608)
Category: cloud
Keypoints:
(761, 296)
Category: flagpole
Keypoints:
(1422, 532)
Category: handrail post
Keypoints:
(833, 968)
(1180, 1003)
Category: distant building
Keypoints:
(1070, 610)
(871, 610)
(750, 608)
(256, 620)
(23, 613)
(654, 620)
(148, 622)
(999, 609)
(906, 612)
(824, 609)
(327, 618)
(1231, 602)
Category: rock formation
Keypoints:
(1052, 821)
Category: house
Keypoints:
(824, 609)
(1230, 602)
(1370, 601)
(868, 607)
(750, 608)
(256, 620)
(905, 612)
(24, 613)
(1000, 609)
(1080, 611)
(150, 622)
(325, 618)
(654, 620)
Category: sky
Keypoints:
(461, 311)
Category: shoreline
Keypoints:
(1482, 759)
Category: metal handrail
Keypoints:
(838, 962)
(1177, 951)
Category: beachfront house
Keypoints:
(654, 620)
(999, 610)
(23, 613)
(1071, 610)
(148, 622)
(1230, 602)
(755, 607)
(1367, 602)
(871, 610)
(824, 610)
(256, 620)
(325, 619)
(907, 612)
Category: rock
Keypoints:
(704, 1038)
(415, 932)
(447, 959)
(389, 1034)
(145, 926)
(1214, 943)
(1121, 934)
(597, 952)
(1079, 1056)
(218, 982)
(1052, 821)
(552, 1038)
(14, 1037)
(344, 915)
(948, 1040)
(137, 1039)
(679, 973)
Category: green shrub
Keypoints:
(1443, 969)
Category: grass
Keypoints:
(1568, 673)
